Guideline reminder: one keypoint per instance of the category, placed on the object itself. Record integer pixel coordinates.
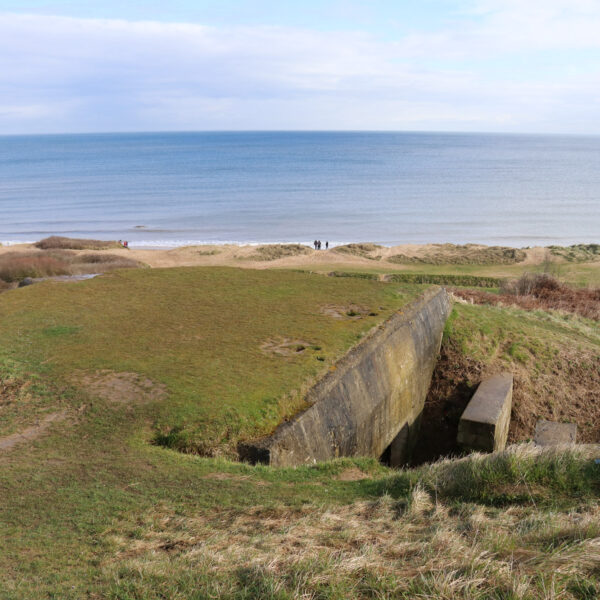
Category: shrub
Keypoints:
(15, 266)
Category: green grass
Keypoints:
(199, 332)
(574, 273)
(92, 509)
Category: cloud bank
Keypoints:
(501, 66)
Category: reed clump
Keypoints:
(16, 266)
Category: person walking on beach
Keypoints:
(315, 244)
(326, 245)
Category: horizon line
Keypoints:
(374, 131)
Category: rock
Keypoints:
(550, 433)
(26, 281)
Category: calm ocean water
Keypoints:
(183, 188)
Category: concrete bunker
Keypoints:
(371, 402)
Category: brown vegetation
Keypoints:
(424, 545)
(566, 390)
(15, 266)
(56, 242)
(539, 291)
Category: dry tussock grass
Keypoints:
(384, 548)
(565, 390)
(534, 292)
(56, 242)
(275, 251)
(366, 250)
(467, 254)
(15, 266)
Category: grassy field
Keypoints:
(93, 505)
(219, 355)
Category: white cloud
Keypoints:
(67, 74)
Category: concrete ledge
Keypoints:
(549, 433)
(373, 397)
(485, 422)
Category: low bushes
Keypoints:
(15, 266)
(539, 291)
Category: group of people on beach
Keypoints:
(317, 245)
(124, 243)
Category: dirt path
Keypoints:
(32, 432)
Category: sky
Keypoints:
(530, 66)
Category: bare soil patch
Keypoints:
(351, 311)
(121, 388)
(32, 432)
(567, 391)
(352, 474)
(284, 346)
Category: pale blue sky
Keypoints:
(462, 65)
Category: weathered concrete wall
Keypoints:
(376, 391)
(485, 422)
(550, 433)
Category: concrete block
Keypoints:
(484, 424)
(550, 433)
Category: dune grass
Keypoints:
(270, 252)
(56, 242)
(467, 254)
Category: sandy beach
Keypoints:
(248, 257)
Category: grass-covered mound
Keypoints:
(577, 252)
(213, 355)
(555, 359)
(270, 252)
(90, 508)
(364, 250)
(467, 254)
(57, 242)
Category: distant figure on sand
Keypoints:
(326, 245)
(319, 245)
(315, 244)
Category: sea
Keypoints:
(173, 189)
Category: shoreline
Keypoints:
(373, 257)
(578, 266)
